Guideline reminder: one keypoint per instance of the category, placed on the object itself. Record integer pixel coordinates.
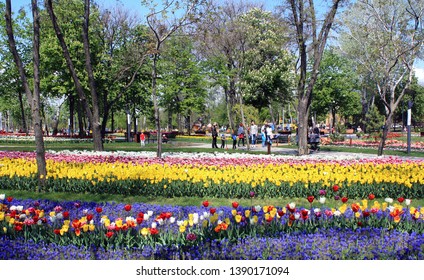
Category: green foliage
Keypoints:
(267, 70)
(336, 88)
(182, 82)
(374, 120)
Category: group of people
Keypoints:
(238, 136)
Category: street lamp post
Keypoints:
(128, 126)
(408, 126)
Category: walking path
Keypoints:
(284, 150)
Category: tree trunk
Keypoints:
(169, 119)
(33, 97)
(21, 106)
(302, 129)
(71, 114)
(156, 106)
(81, 126)
(93, 116)
(387, 124)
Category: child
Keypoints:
(223, 141)
(142, 139)
(234, 136)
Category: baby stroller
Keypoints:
(313, 141)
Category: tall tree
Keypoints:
(221, 41)
(33, 97)
(92, 112)
(311, 43)
(385, 38)
(164, 20)
(182, 80)
(125, 46)
(267, 73)
(336, 89)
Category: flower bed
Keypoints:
(213, 175)
(32, 229)
(10, 139)
(391, 144)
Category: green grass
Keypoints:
(186, 145)
(182, 201)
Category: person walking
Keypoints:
(214, 136)
(263, 135)
(142, 139)
(253, 133)
(223, 140)
(234, 137)
(240, 134)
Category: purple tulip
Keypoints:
(191, 237)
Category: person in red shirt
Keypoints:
(142, 139)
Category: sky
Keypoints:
(139, 10)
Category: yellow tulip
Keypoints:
(384, 206)
(247, 213)
(144, 231)
(182, 229)
(237, 218)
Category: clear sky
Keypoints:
(136, 7)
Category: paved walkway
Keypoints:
(282, 149)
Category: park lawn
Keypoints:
(182, 201)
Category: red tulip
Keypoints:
(99, 210)
(355, 207)
(56, 231)
(311, 198)
(235, 204)
(335, 188)
(66, 215)
(212, 211)
(401, 199)
(127, 207)
(139, 220)
(9, 199)
(205, 203)
(371, 196)
(109, 234)
(154, 231)
(366, 214)
(89, 217)
(344, 199)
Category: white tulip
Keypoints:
(322, 199)
(388, 200)
(2, 196)
(407, 202)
